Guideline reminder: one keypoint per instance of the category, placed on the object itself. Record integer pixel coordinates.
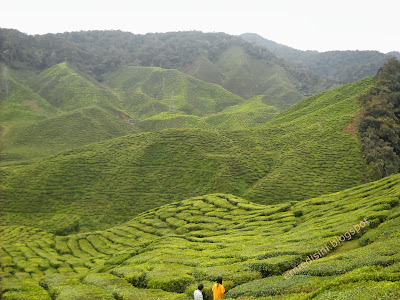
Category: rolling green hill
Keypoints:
(21, 104)
(165, 252)
(303, 153)
(249, 114)
(149, 91)
(66, 89)
(27, 141)
(248, 76)
(65, 115)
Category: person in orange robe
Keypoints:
(218, 289)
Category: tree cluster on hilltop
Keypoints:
(379, 125)
(98, 52)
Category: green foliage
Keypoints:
(379, 125)
(67, 229)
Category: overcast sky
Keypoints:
(302, 24)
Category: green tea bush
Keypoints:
(170, 278)
(275, 285)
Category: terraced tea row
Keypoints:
(165, 252)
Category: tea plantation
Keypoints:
(302, 153)
(138, 173)
(165, 252)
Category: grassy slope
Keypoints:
(248, 76)
(34, 128)
(148, 91)
(249, 114)
(295, 157)
(165, 252)
(22, 104)
(34, 140)
(314, 148)
(66, 89)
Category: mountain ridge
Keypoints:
(97, 53)
(343, 66)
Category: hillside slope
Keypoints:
(27, 141)
(318, 151)
(164, 253)
(22, 104)
(251, 113)
(64, 88)
(146, 91)
(249, 76)
(304, 153)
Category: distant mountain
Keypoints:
(240, 67)
(394, 54)
(342, 66)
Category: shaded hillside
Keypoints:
(303, 153)
(165, 252)
(252, 113)
(342, 66)
(145, 92)
(248, 76)
(33, 140)
(316, 150)
(240, 67)
(35, 125)
(21, 104)
(66, 89)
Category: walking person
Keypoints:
(198, 294)
(218, 289)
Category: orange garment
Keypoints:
(218, 291)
